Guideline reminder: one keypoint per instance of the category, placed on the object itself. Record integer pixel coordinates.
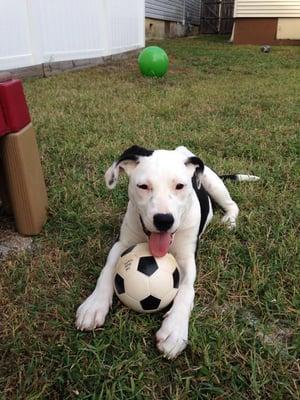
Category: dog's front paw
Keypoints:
(91, 314)
(172, 338)
(229, 221)
(230, 216)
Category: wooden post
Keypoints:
(22, 182)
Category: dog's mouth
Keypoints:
(159, 242)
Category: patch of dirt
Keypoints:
(275, 336)
(10, 240)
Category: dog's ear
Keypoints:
(184, 151)
(127, 162)
(196, 167)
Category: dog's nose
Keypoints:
(163, 222)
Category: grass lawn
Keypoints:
(238, 109)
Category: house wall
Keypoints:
(35, 32)
(174, 10)
(267, 8)
(272, 31)
(158, 29)
(167, 10)
(288, 28)
(171, 18)
(192, 11)
(267, 22)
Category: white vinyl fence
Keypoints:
(33, 32)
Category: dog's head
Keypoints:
(160, 187)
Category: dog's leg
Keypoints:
(215, 187)
(172, 337)
(92, 312)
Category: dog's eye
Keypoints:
(179, 186)
(144, 187)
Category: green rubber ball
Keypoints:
(153, 61)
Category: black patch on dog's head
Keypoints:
(133, 153)
(197, 162)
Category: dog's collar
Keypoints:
(146, 232)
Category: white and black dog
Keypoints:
(170, 194)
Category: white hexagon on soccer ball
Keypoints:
(137, 285)
(160, 283)
(130, 302)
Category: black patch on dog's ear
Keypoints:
(112, 179)
(126, 162)
(198, 168)
(197, 162)
(133, 153)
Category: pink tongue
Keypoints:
(159, 243)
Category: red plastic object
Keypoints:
(3, 127)
(13, 104)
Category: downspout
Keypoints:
(231, 40)
(220, 15)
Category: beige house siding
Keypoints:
(288, 28)
(266, 8)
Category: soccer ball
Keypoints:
(145, 283)
(265, 49)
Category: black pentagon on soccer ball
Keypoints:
(150, 303)
(176, 279)
(147, 265)
(119, 284)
